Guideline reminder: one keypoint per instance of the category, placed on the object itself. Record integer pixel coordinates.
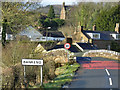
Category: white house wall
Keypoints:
(91, 35)
(47, 39)
(9, 37)
(0, 32)
(54, 39)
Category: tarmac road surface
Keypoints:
(99, 73)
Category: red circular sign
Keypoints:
(67, 46)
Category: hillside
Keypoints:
(57, 9)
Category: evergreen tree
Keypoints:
(51, 13)
(107, 19)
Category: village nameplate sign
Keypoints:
(31, 62)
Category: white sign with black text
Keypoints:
(32, 62)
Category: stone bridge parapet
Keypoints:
(102, 53)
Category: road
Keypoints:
(99, 73)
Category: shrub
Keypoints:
(49, 70)
(115, 46)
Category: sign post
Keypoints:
(67, 46)
(41, 75)
(32, 62)
(24, 77)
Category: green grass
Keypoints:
(65, 75)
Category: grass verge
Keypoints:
(66, 74)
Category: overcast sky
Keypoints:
(51, 2)
(71, 2)
(59, 2)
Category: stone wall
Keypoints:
(102, 53)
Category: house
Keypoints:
(35, 35)
(52, 35)
(64, 10)
(73, 48)
(76, 47)
(31, 33)
(101, 39)
(9, 34)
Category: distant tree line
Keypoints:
(104, 15)
(50, 20)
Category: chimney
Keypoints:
(94, 27)
(80, 28)
(63, 4)
(69, 40)
(117, 28)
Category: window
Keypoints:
(37, 38)
(43, 38)
(117, 36)
(96, 36)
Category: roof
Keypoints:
(30, 32)
(104, 35)
(73, 48)
(52, 33)
(87, 46)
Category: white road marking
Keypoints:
(110, 81)
(107, 72)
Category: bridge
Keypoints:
(102, 53)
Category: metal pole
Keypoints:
(41, 75)
(24, 77)
(68, 55)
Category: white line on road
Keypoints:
(110, 81)
(107, 72)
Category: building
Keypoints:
(73, 48)
(35, 35)
(101, 39)
(64, 11)
(52, 36)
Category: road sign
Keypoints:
(67, 46)
(32, 62)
